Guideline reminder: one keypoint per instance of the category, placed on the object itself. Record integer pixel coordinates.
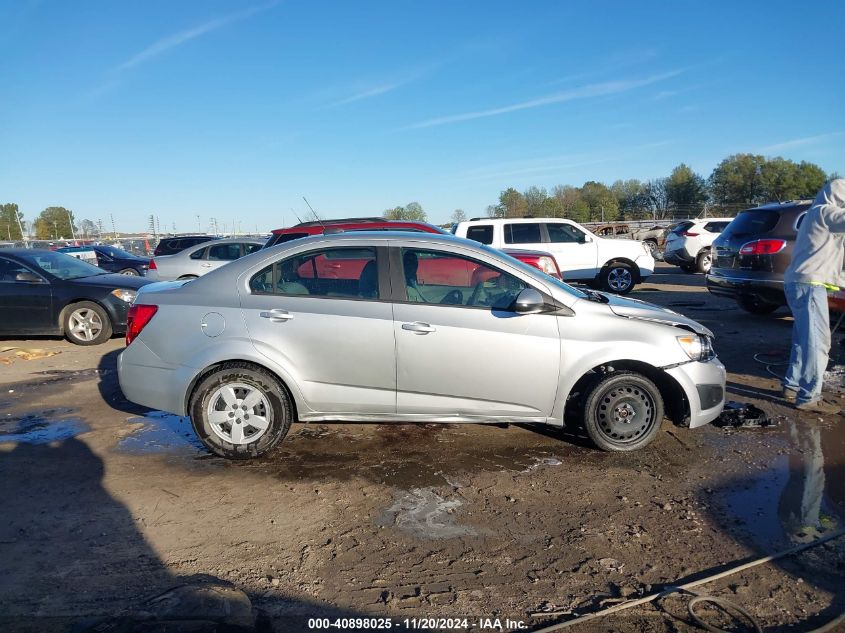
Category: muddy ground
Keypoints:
(107, 504)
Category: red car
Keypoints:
(538, 259)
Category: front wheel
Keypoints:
(617, 277)
(623, 411)
(86, 323)
(240, 412)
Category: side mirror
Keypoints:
(529, 301)
(30, 278)
(585, 239)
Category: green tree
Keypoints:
(657, 198)
(54, 222)
(88, 229)
(10, 222)
(630, 196)
(512, 204)
(600, 200)
(568, 198)
(738, 179)
(412, 211)
(535, 201)
(811, 178)
(686, 190)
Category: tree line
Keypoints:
(738, 182)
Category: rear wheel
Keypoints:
(86, 323)
(240, 412)
(622, 411)
(703, 262)
(755, 305)
(129, 271)
(652, 247)
(617, 277)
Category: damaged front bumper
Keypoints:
(704, 386)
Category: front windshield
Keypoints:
(61, 265)
(526, 267)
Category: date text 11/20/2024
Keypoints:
(417, 624)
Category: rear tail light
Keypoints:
(762, 247)
(547, 265)
(689, 234)
(153, 265)
(137, 319)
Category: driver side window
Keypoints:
(565, 233)
(449, 279)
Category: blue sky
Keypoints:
(235, 110)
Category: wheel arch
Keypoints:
(675, 403)
(243, 362)
(635, 270)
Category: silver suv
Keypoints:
(409, 327)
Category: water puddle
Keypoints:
(162, 433)
(802, 495)
(40, 427)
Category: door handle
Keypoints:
(418, 327)
(276, 316)
(206, 265)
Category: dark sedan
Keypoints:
(115, 260)
(45, 292)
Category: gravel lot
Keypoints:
(107, 504)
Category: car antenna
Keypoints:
(314, 212)
(298, 219)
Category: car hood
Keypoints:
(644, 311)
(112, 280)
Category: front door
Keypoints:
(459, 348)
(320, 315)
(576, 252)
(25, 306)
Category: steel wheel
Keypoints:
(623, 411)
(237, 413)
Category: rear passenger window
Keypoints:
(715, 227)
(224, 252)
(344, 273)
(522, 233)
(199, 253)
(251, 248)
(482, 233)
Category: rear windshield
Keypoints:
(681, 227)
(284, 237)
(481, 233)
(753, 222)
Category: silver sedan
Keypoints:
(202, 258)
(410, 327)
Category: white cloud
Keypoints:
(799, 142)
(584, 92)
(177, 39)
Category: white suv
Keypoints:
(615, 265)
(688, 244)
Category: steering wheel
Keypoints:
(478, 294)
(453, 298)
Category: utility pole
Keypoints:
(199, 226)
(70, 219)
(113, 229)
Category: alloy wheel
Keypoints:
(85, 324)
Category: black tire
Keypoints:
(186, 277)
(86, 323)
(652, 247)
(615, 399)
(246, 439)
(755, 305)
(703, 262)
(618, 277)
(130, 271)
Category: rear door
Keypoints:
(321, 315)
(459, 348)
